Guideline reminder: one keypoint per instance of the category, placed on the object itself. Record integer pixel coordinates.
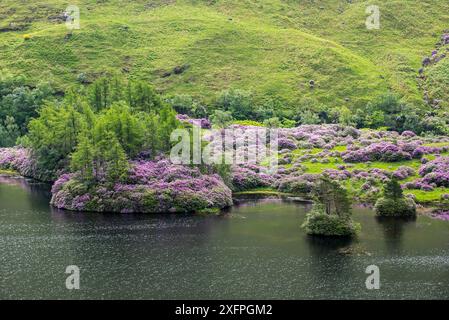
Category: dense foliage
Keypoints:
(362, 159)
(96, 135)
(393, 202)
(19, 103)
(149, 187)
(331, 214)
(104, 144)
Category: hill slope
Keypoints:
(272, 47)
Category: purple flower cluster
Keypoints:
(285, 143)
(250, 177)
(442, 215)
(202, 123)
(17, 159)
(445, 38)
(321, 136)
(383, 151)
(371, 175)
(435, 173)
(60, 182)
(409, 134)
(420, 151)
(403, 172)
(302, 184)
(153, 187)
(21, 160)
(337, 174)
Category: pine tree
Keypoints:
(82, 159)
(333, 197)
(393, 190)
(116, 162)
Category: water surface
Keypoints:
(257, 250)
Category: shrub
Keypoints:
(203, 123)
(238, 102)
(383, 151)
(393, 202)
(272, 122)
(250, 177)
(395, 208)
(302, 184)
(319, 223)
(435, 173)
(284, 143)
(21, 160)
(331, 215)
(152, 187)
(248, 123)
(221, 118)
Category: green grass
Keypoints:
(437, 144)
(262, 191)
(423, 197)
(8, 172)
(272, 47)
(426, 197)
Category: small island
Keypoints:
(331, 213)
(394, 203)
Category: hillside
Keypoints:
(271, 47)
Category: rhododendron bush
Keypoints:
(363, 160)
(20, 160)
(152, 187)
(434, 174)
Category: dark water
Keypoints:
(258, 250)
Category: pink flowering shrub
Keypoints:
(249, 177)
(302, 184)
(153, 187)
(383, 151)
(202, 123)
(159, 186)
(285, 143)
(409, 134)
(435, 172)
(403, 172)
(20, 160)
(442, 215)
(337, 174)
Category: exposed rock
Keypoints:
(176, 70)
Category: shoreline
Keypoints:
(240, 197)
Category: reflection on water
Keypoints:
(255, 250)
(393, 229)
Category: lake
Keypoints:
(256, 250)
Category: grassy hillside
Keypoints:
(272, 47)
